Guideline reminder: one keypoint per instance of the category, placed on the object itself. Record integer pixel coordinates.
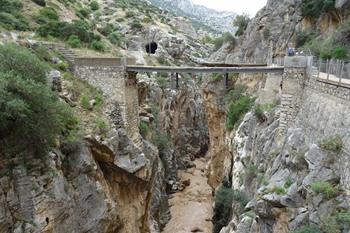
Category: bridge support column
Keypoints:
(293, 83)
(177, 80)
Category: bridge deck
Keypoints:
(177, 69)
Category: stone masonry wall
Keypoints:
(118, 89)
(327, 88)
(292, 92)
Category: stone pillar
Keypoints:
(132, 120)
(293, 83)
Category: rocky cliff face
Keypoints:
(199, 15)
(82, 191)
(280, 174)
(275, 28)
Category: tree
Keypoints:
(241, 21)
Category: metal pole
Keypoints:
(177, 80)
(226, 80)
(341, 72)
(327, 69)
(319, 68)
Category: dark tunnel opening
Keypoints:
(151, 47)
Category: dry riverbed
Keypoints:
(191, 209)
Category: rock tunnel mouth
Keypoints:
(151, 47)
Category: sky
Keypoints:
(250, 7)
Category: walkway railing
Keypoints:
(338, 68)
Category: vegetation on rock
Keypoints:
(237, 109)
(32, 116)
(333, 144)
(324, 188)
(241, 22)
(222, 208)
(314, 8)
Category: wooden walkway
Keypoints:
(239, 68)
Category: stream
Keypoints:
(191, 209)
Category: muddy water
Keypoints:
(192, 208)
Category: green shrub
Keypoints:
(31, 116)
(314, 8)
(278, 190)
(343, 218)
(237, 110)
(330, 225)
(236, 93)
(288, 183)
(259, 113)
(163, 60)
(115, 38)
(309, 229)
(47, 14)
(10, 6)
(53, 28)
(79, 28)
(94, 6)
(40, 2)
(217, 78)
(144, 129)
(333, 144)
(98, 46)
(303, 37)
(222, 208)
(63, 66)
(101, 126)
(107, 29)
(162, 141)
(241, 197)
(251, 172)
(324, 188)
(136, 25)
(129, 14)
(22, 62)
(83, 12)
(225, 38)
(13, 21)
(340, 52)
(241, 21)
(43, 53)
(74, 41)
(147, 19)
(85, 102)
(162, 81)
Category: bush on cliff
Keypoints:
(11, 17)
(237, 109)
(32, 118)
(222, 208)
(314, 8)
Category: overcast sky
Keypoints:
(239, 6)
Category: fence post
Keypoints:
(341, 72)
(327, 69)
(319, 68)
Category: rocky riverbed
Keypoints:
(191, 209)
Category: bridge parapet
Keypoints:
(297, 70)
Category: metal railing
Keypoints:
(332, 68)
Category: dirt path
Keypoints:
(192, 208)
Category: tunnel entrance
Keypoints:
(151, 47)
